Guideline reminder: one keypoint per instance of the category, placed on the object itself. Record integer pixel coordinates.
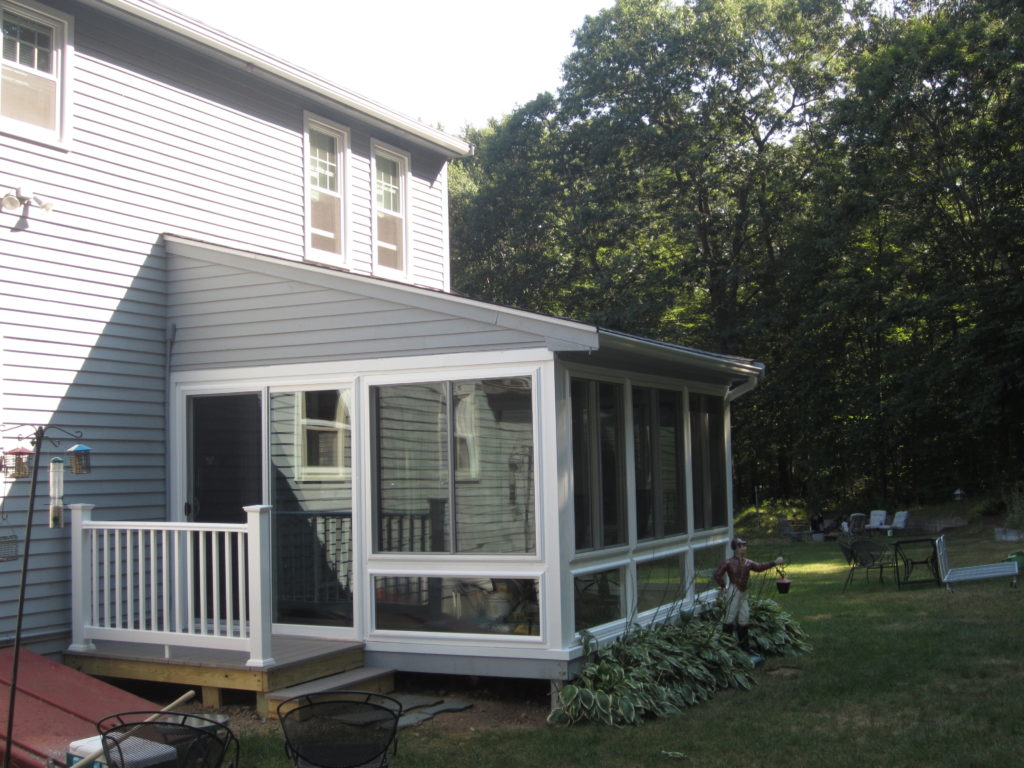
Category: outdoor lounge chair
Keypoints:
(899, 522)
(856, 524)
(950, 576)
(340, 729)
(870, 555)
(876, 520)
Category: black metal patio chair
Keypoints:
(340, 729)
(870, 555)
(167, 740)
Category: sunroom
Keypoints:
(459, 487)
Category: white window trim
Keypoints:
(63, 46)
(404, 164)
(341, 134)
(340, 471)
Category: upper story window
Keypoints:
(390, 231)
(34, 79)
(326, 151)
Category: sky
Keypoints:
(448, 63)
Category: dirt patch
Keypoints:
(496, 703)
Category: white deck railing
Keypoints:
(201, 585)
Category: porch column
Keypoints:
(261, 571)
(81, 579)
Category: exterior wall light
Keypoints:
(25, 196)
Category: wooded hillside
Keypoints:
(833, 188)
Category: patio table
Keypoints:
(916, 552)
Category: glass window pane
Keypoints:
(659, 582)
(389, 184)
(28, 43)
(707, 437)
(613, 505)
(582, 450)
(390, 241)
(598, 598)
(412, 470)
(323, 160)
(29, 98)
(705, 562)
(494, 495)
(325, 221)
(644, 469)
(672, 501)
(312, 510)
(465, 605)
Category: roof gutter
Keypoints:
(193, 30)
(748, 372)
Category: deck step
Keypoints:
(375, 679)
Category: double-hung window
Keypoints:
(34, 71)
(390, 229)
(326, 152)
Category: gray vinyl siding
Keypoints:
(163, 138)
(233, 311)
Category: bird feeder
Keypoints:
(16, 462)
(80, 462)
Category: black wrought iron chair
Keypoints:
(870, 555)
(167, 740)
(340, 729)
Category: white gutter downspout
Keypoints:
(748, 384)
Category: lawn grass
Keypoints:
(917, 677)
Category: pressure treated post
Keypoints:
(81, 578)
(261, 572)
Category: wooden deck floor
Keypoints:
(297, 660)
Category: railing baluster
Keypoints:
(229, 584)
(149, 582)
(118, 575)
(190, 591)
(215, 555)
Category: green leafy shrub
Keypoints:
(660, 669)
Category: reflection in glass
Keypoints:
(598, 598)
(311, 497)
(454, 469)
(468, 605)
(659, 582)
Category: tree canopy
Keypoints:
(830, 188)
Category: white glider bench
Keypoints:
(950, 576)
